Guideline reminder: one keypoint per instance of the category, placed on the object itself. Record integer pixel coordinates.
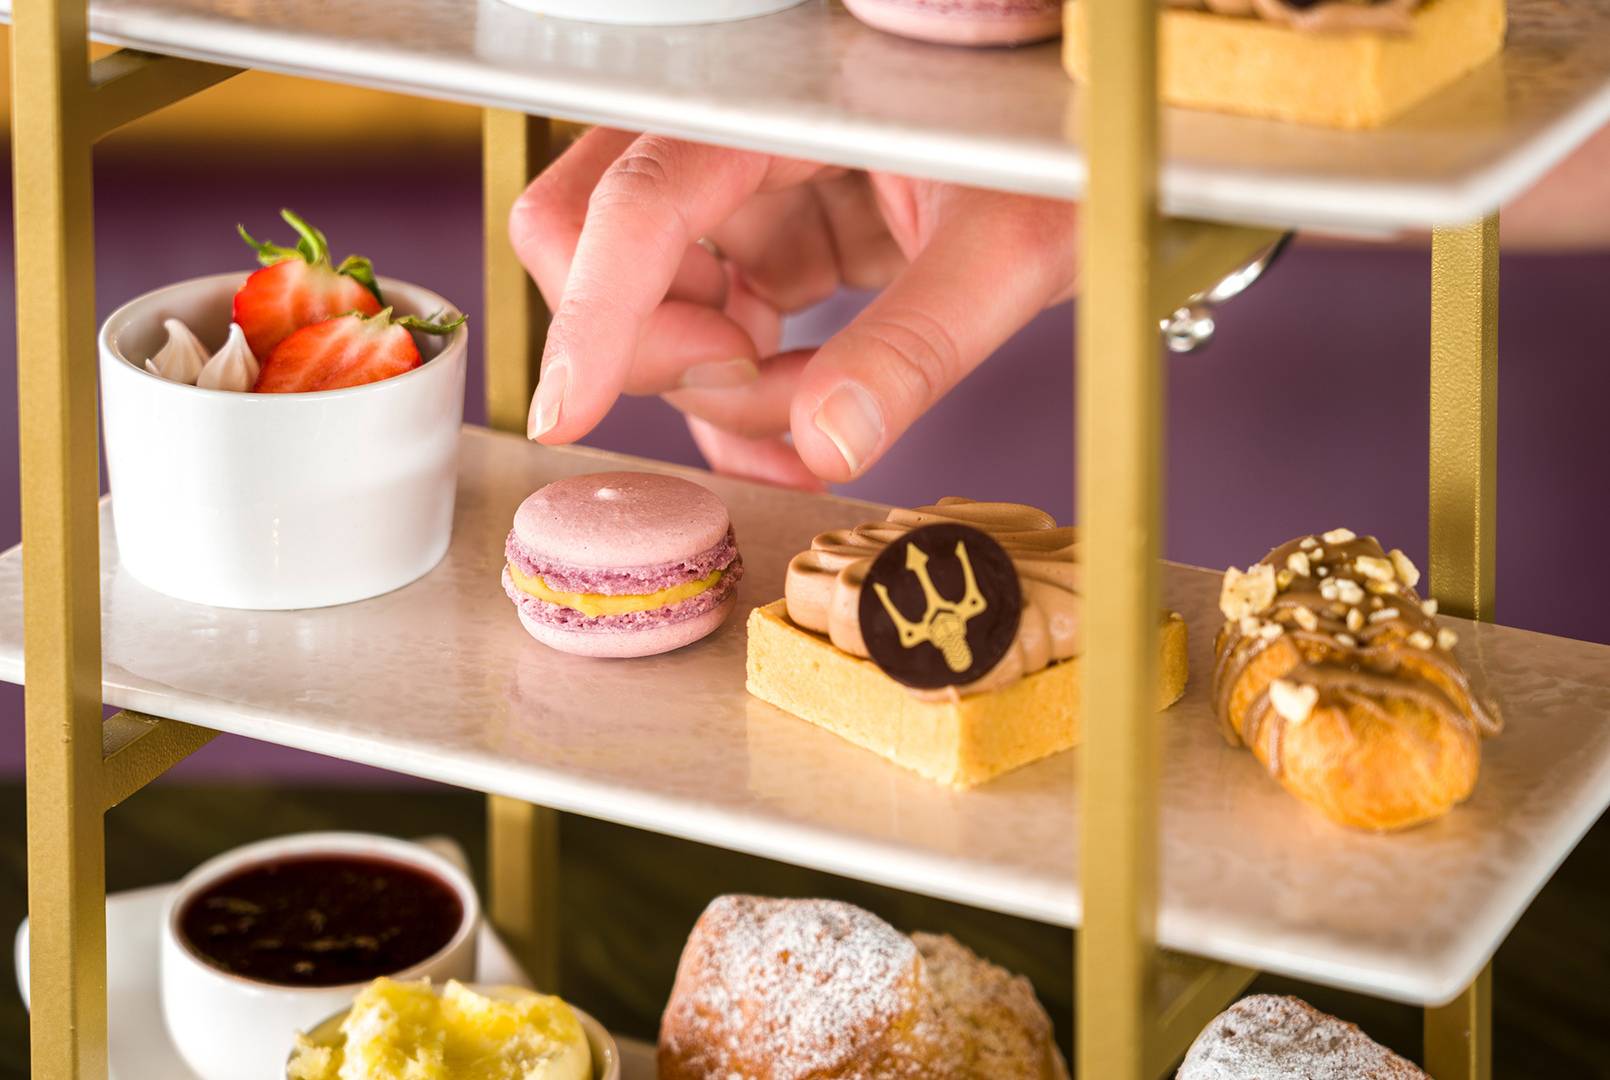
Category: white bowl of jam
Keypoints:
(273, 937)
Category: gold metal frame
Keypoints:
(1137, 266)
(522, 840)
(1463, 523)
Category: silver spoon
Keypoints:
(1191, 325)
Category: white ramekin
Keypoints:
(606, 1055)
(227, 1027)
(274, 501)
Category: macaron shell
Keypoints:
(620, 519)
(960, 22)
(645, 642)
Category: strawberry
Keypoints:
(348, 350)
(298, 286)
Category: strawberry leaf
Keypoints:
(430, 326)
(267, 254)
(362, 271)
(311, 243)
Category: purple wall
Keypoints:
(1307, 412)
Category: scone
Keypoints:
(1282, 1038)
(1335, 63)
(795, 989)
(808, 652)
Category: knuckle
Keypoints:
(917, 353)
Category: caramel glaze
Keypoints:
(824, 584)
(1326, 16)
(1381, 665)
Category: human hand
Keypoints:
(669, 266)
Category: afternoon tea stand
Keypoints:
(1161, 223)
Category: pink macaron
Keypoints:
(963, 22)
(621, 564)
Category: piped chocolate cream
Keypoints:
(1365, 634)
(824, 584)
(1318, 16)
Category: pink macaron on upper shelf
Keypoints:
(622, 534)
(963, 22)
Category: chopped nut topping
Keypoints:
(1408, 573)
(1297, 563)
(1375, 569)
(1383, 588)
(1376, 602)
(1429, 606)
(1327, 589)
(1340, 536)
(1271, 630)
(1247, 593)
(1294, 702)
(1308, 542)
(1348, 592)
(1317, 554)
(1249, 625)
(1447, 639)
(1420, 640)
(1383, 615)
(1355, 620)
(1283, 579)
(1348, 640)
(1306, 619)
(1321, 571)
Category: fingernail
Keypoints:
(544, 416)
(720, 374)
(851, 419)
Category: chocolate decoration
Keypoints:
(940, 606)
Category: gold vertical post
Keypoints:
(60, 484)
(1464, 416)
(523, 840)
(1463, 524)
(1459, 1035)
(1120, 424)
(515, 147)
(523, 884)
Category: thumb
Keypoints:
(993, 262)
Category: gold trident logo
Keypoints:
(944, 624)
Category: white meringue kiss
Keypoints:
(182, 358)
(232, 367)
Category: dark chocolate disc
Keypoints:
(940, 606)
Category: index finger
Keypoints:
(655, 199)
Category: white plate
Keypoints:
(654, 12)
(138, 1040)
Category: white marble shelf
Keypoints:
(814, 83)
(439, 680)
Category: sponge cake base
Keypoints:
(961, 742)
(1357, 79)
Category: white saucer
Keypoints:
(138, 1039)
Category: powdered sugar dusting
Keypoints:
(1266, 1037)
(818, 989)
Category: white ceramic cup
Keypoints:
(606, 1054)
(227, 1027)
(274, 501)
(655, 12)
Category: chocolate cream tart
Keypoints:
(1016, 701)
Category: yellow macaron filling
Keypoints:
(595, 604)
